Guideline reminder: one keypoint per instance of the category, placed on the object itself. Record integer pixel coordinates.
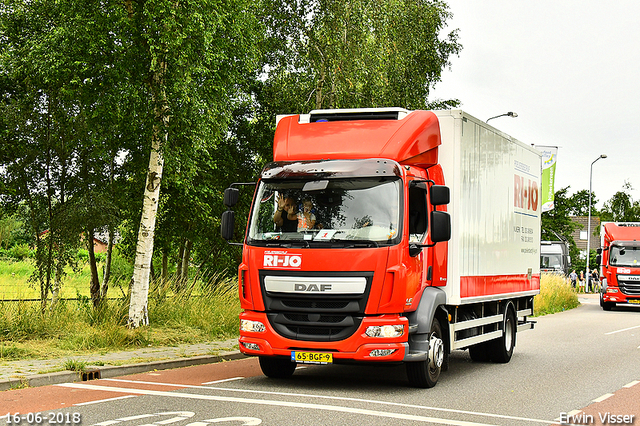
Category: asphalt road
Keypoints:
(558, 370)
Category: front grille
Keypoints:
(630, 287)
(315, 317)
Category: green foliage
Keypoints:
(21, 252)
(75, 365)
(556, 295)
(621, 207)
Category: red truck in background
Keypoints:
(619, 257)
(425, 239)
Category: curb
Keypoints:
(104, 372)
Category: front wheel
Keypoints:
(606, 306)
(425, 374)
(502, 348)
(277, 368)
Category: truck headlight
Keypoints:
(385, 331)
(612, 290)
(252, 326)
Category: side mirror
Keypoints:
(227, 224)
(439, 195)
(231, 197)
(599, 250)
(598, 259)
(440, 225)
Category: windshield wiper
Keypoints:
(355, 243)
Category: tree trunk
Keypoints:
(185, 260)
(55, 289)
(94, 287)
(107, 266)
(178, 283)
(138, 313)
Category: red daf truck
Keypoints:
(620, 263)
(408, 235)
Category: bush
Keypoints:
(20, 251)
(556, 295)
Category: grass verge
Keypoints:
(556, 295)
(200, 311)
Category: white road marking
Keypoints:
(248, 421)
(367, 401)
(628, 385)
(106, 400)
(620, 331)
(289, 404)
(223, 380)
(181, 415)
(603, 397)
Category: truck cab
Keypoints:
(620, 264)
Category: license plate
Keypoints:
(312, 357)
(635, 301)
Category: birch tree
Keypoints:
(194, 53)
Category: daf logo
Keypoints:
(311, 287)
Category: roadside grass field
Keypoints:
(15, 283)
(196, 311)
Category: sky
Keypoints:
(570, 69)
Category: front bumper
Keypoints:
(614, 295)
(357, 347)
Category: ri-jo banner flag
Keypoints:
(549, 157)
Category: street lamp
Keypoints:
(508, 114)
(586, 271)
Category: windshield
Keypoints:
(350, 210)
(624, 256)
(551, 261)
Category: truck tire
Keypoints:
(480, 352)
(502, 347)
(606, 306)
(277, 368)
(425, 374)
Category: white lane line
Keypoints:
(105, 400)
(603, 397)
(141, 416)
(620, 331)
(339, 398)
(628, 385)
(289, 404)
(223, 380)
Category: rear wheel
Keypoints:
(425, 374)
(502, 348)
(480, 352)
(277, 368)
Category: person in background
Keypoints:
(573, 277)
